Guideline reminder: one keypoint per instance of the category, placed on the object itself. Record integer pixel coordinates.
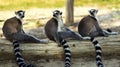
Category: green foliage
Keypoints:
(25, 4)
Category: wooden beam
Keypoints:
(79, 49)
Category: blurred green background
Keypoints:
(26, 4)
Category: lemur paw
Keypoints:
(86, 38)
(44, 41)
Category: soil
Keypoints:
(83, 62)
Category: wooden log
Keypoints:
(79, 49)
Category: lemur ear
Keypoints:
(96, 10)
(24, 11)
(15, 13)
(60, 13)
(89, 11)
(52, 11)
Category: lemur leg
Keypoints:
(57, 39)
(72, 35)
(109, 32)
(96, 34)
(76, 36)
(24, 38)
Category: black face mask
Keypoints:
(56, 14)
(21, 15)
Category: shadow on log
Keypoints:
(79, 49)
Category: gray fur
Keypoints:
(89, 26)
(12, 30)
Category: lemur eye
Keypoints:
(20, 14)
(60, 13)
(56, 13)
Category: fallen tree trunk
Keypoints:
(79, 49)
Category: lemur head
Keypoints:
(93, 12)
(57, 14)
(20, 14)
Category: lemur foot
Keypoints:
(44, 41)
(113, 33)
(86, 38)
(110, 32)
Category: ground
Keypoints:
(57, 63)
(108, 19)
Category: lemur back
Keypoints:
(13, 30)
(51, 30)
(51, 27)
(89, 26)
(88, 22)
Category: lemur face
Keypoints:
(57, 14)
(20, 14)
(93, 12)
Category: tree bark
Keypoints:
(69, 12)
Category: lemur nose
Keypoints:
(54, 15)
(22, 16)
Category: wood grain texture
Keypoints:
(79, 49)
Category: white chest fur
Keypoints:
(60, 25)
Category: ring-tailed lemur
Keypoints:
(20, 60)
(12, 30)
(52, 29)
(89, 26)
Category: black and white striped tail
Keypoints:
(98, 53)
(67, 53)
(19, 58)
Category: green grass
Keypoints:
(25, 4)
